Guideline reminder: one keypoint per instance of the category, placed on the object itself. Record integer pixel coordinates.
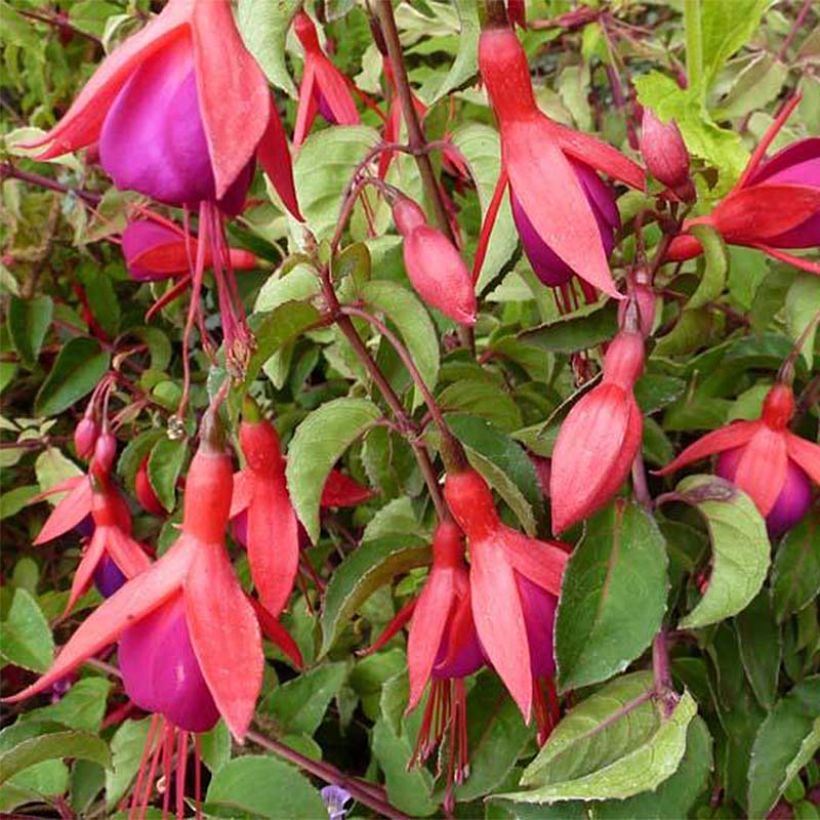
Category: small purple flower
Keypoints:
(335, 799)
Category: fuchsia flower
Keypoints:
(772, 465)
(514, 586)
(324, 89)
(159, 250)
(180, 111)
(195, 576)
(111, 553)
(556, 195)
(442, 649)
(600, 437)
(774, 207)
(434, 265)
(264, 519)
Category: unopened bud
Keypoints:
(638, 312)
(105, 452)
(665, 154)
(85, 437)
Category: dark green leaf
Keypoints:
(50, 746)
(364, 570)
(26, 636)
(164, 466)
(319, 442)
(263, 786)
(796, 574)
(576, 333)
(760, 648)
(614, 596)
(28, 322)
(787, 741)
(76, 372)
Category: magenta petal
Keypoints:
(467, 658)
(794, 499)
(108, 577)
(153, 140)
(539, 607)
(546, 264)
(798, 163)
(805, 235)
(324, 107)
(161, 673)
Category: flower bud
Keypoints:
(105, 452)
(85, 437)
(598, 440)
(665, 154)
(638, 312)
(434, 265)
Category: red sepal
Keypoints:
(761, 470)
(277, 634)
(69, 512)
(726, 438)
(274, 156)
(342, 491)
(805, 454)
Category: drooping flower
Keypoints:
(442, 649)
(434, 265)
(665, 154)
(263, 515)
(600, 437)
(772, 465)
(197, 574)
(514, 585)
(549, 169)
(180, 111)
(774, 207)
(324, 89)
(110, 551)
(335, 799)
(160, 250)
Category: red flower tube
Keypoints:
(514, 585)
(324, 89)
(774, 207)
(599, 439)
(772, 465)
(550, 170)
(434, 265)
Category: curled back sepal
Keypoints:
(599, 439)
(434, 265)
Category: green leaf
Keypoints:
(264, 786)
(614, 596)
(102, 299)
(496, 737)
(264, 25)
(127, 747)
(725, 28)
(300, 704)
(28, 322)
(407, 313)
(600, 750)
(164, 466)
(295, 285)
(76, 372)
(482, 398)
(715, 267)
(216, 747)
(322, 170)
(55, 745)
(26, 636)
(479, 144)
(318, 443)
(504, 463)
(693, 330)
(52, 467)
(82, 707)
(755, 86)
(740, 547)
(133, 454)
(786, 741)
(364, 570)
(577, 332)
(802, 308)
(275, 329)
(760, 648)
(407, 790)
(465, 67)
(796, 574)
